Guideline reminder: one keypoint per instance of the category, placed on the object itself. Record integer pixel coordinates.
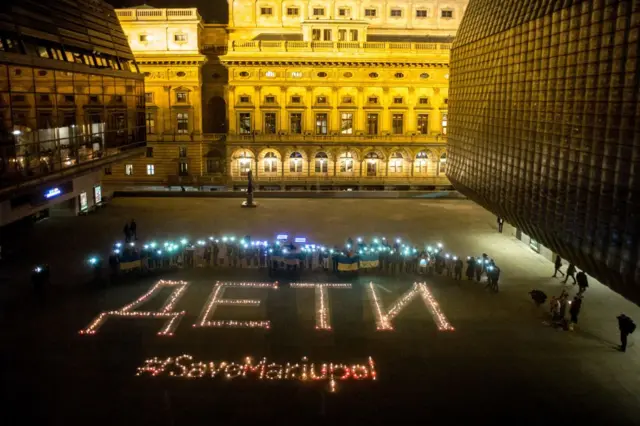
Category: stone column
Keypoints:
(360, 114)
(308, 116)
(386, 119)
(335, 114)
(231, 107)
(257, 119)
(284, 124)
(411, 113)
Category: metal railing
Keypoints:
(426, 180)
(340, 138)
(157, 14)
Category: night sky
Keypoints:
(213, 11)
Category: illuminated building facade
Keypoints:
(71, 103)
(544, 125)
(320, 95)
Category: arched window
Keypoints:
(295, 162)
(443, 163)
(396, 162)
(422, 162)
(322, 162)
(270, 163)
(244, 163)
(346, 163)
(372, 163)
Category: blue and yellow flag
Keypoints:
(347, 263)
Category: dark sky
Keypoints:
(213, 11)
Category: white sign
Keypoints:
(84, 204)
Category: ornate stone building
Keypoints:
(316, 95)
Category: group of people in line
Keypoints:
(130, 231)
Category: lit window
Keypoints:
(183, 169)
(344, 12)
(397, 100)
(346, 123)
(144, 38)
(318, 11)
(346, 163)
(296, 74)
(295, 162)
(293, 11)
(128, 169)
(244, 163)
(422, 162)
(151, 170)
(396, 13)
(295, 123)
(270, 74)
(266, 11)
(148, 97)
(423, 124)
(372, 124)
(270, 163)
(422, 13)
(371, 13)
(443, 163)
(270, 99)
(244, 123)
(372, 164)
(444, 124)
(270, 120)
(180, 38)
(322, 124)
(181, 97)
(150, 122)
(322, 163)
(183, 122)
(396, 163)
(446, 14)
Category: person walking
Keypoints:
(133, 229)
(583, 283)
(500, 223)
(558, 265)
(571, 270)
(574, 311)
(626, 326)
(127, 233)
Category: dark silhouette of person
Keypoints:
(574, 310)
(626, 326)
(500, 223)
(127, 233)
(471, 268)
(558, 265)
(538, 296)
(583, 283)
(458, 269)
(571, 270)
(133, 230)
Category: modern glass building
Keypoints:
(544, 126)
(71, 99)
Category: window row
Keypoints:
(65, 53)
(324, 74)
(372, 123)
(148, 38)
(181, 120)
(346, 163)
(183, 169)
(324, 100)
(181, 97)
(346, 12)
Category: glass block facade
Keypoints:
(70, 90)
(544, 125)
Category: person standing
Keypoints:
(500, 223)
(626, 326)
(558, 265)
(133, 229)
(127, 233)
(574, 311)
(458, 269)
(571, 270)
(583, 283)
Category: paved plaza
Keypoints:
(500, 364)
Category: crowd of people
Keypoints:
(284, 254)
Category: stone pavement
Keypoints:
(500, 334)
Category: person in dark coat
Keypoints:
(583, 283)
(127, 233)
(626, 326)
(458, 269)
(571, 270)
(538, 296)
(574, 311)
(558, 265)
(471, 268)
(133, 230)
(500, 223)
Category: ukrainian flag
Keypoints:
(347, 263)
(369, 260)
